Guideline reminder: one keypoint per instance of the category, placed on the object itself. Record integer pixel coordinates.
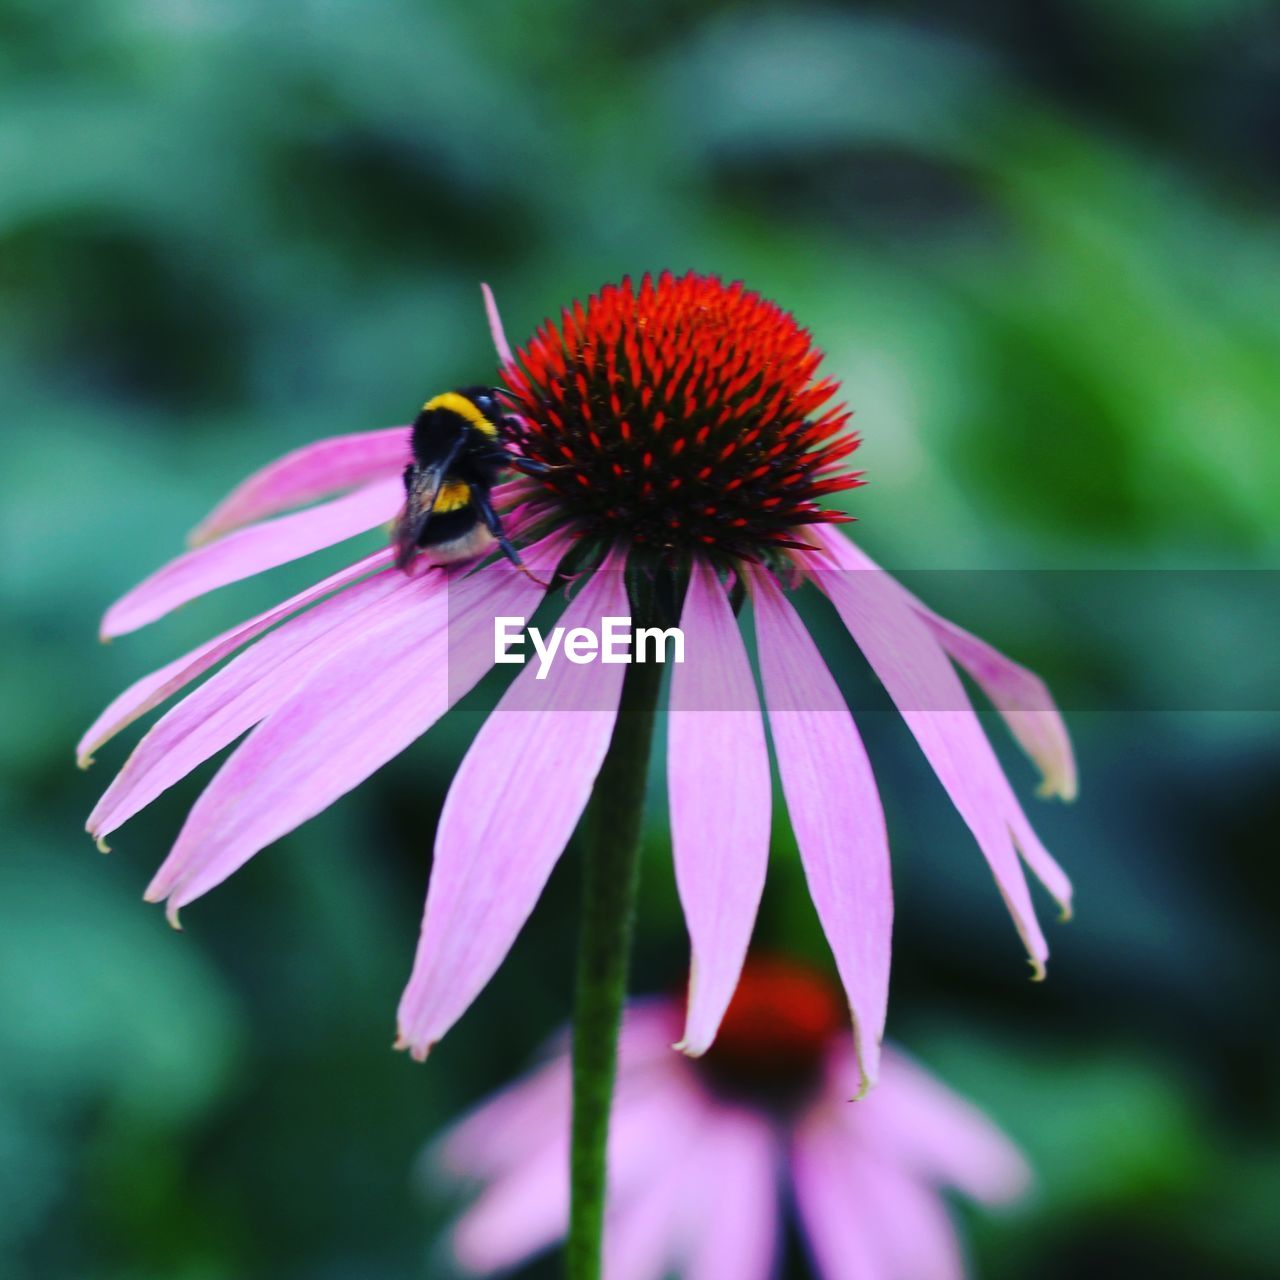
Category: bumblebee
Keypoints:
(459, 453)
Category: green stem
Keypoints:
(611, 831)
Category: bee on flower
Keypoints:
(676, 434)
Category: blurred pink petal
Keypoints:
(344, 723)
(720, 797)
(141, 696)
(839, 1231)
(922, 683)
(306, 475)
(233, 700)
(914, 1236)
(835, 811)
(253, 550)
(702, 1149)
(732, 1203)
(915, 1119)
(525, 1209)
(507, 1128)
(503, 1130)
(640, 1230)
(492, 859)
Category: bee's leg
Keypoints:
(527, 466)
(531, 466)
(493, 523)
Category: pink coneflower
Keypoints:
(684, 434)
(706, 1157)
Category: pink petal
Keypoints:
(835, 812)
(915, 1121)
(720, 795)
(1019, 695)
(499, 1132)
(306, 475)
(640, 1234)
(863, 1216)
(232, 701)
(325, 739)
(253, 550)
(362, 707)
(840, 1233)
(492, 859)
(922, 683)
(1023, 700)
(153, 689)
(914, 1234)
(500, 343)
(508, 1129)
(502, 1131)
(647, 1217)
(732, 1201)
(526, 1209)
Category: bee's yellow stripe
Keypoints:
(453, 495)
(452, 402)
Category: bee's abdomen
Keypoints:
(454, 495)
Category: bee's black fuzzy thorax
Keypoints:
(459, 454)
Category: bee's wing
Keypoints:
(422, 488)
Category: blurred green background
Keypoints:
(1041, 245)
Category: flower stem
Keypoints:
(611, 830)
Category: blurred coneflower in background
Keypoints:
(708, 1158)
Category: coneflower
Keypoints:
(686, 452)
(709, 1158)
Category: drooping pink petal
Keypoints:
(720, 797)
(153, 689)
(360, 709)
(835, 811)
(732, 1220)
(540, 752)
(1023, 700)
(840, 1233)
(915, 1121)
(496, 331)
(236, 698)
(253, 550)
(1021, 697)
(306, 475)
(927, 692)
(526, 1209)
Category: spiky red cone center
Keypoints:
(685, 414)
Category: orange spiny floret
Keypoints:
(725, 379)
